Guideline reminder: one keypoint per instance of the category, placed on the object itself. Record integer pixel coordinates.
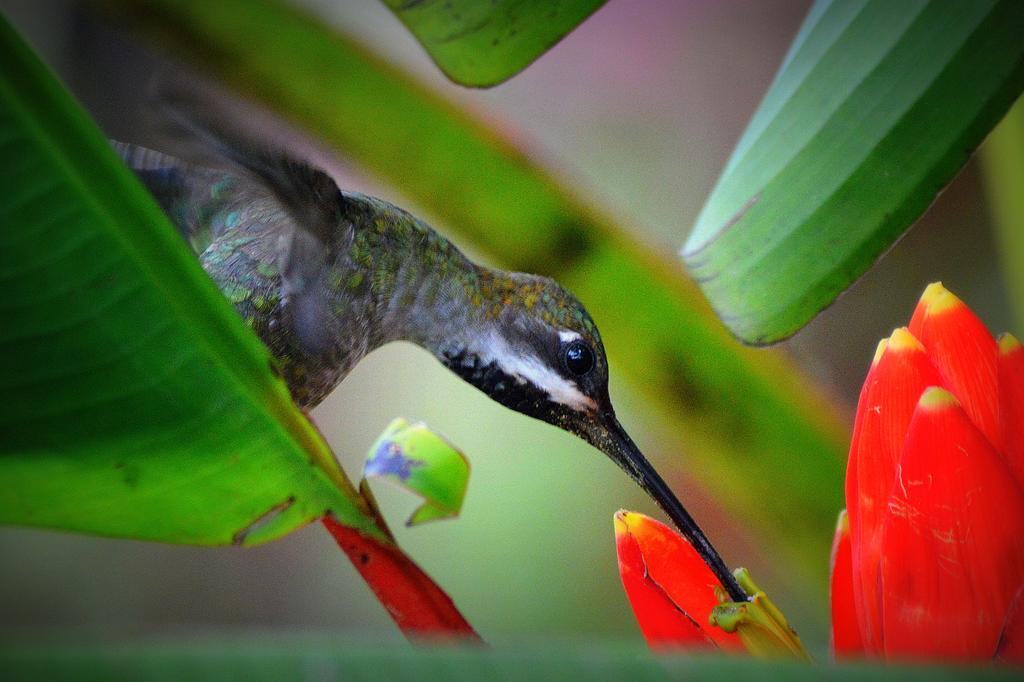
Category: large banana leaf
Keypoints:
(756, 430)
(877, 105)
(135, 402)
(484, 43)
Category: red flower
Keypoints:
(932, 560)
(671, 589)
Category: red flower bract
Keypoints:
(846, 637)
(670, 588)
(934, 494)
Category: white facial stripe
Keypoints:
(528, 368)
(558, 388)
(568, 336)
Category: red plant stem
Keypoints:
(414, 601)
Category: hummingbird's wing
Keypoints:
(317, 230)
(197, 200)
(201, 202)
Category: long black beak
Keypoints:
(617, 444)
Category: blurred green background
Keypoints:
(638, 109)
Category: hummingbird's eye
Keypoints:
(579, 358)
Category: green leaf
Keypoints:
(135, 401)
(875, 108)
(419, 460)
(754, 427)
(481, 44)
(287, 657)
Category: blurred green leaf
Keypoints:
(755, 430)
(135, 401)
(289, 658)
(419, 460)
(1002, 163)
(481, 44)
(875, 108)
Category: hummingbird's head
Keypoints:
(536, 351)
(539, 353)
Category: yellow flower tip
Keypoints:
(1008, 343)
(903, 340)
(936, 398)
(622, 521)
(937, 299)
(879, 351)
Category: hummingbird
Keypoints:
(324, 276)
